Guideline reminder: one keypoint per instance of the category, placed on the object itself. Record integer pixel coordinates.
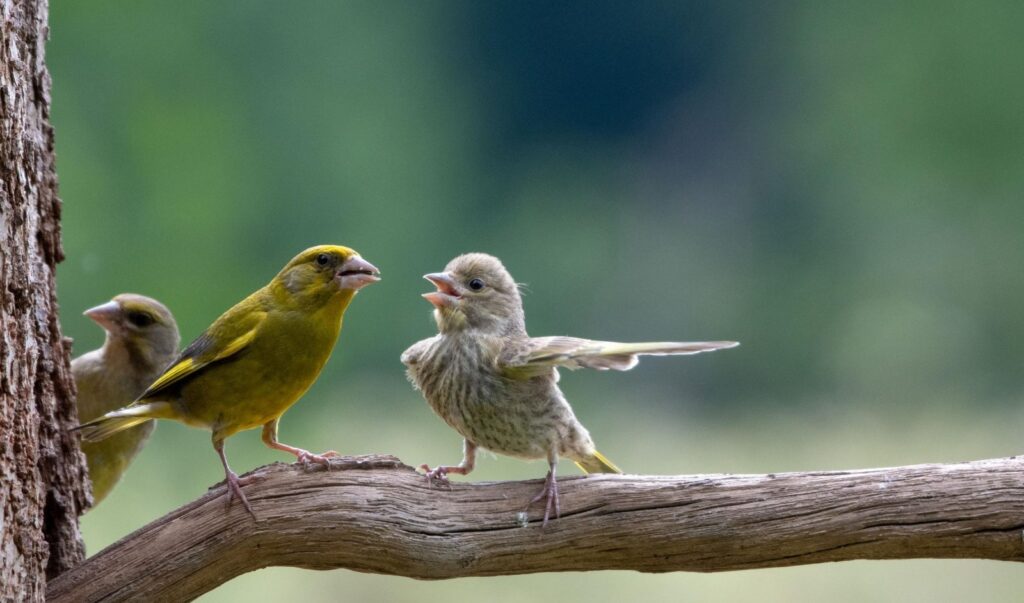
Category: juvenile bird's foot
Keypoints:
(440, 473)
(234, 485)
(550, 494)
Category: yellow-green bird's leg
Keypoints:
(463, 468)
(234, 483)
(301, 456)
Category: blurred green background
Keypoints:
(837, 185)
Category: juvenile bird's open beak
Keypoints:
(356, 273)
(447, 293)
(106, 315)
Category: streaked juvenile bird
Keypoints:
(142, 339)
(497, 386)
(256, 360)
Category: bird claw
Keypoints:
(550, 494)
(439, 473)
(306, 457)
(234, 487)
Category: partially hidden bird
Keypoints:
(256, 360)
(498, 387)
(141, 341)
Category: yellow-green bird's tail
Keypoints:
(123, 418)
(597, 463)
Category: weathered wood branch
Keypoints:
(374, 514)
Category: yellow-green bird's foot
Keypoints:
(306, 457)
(234, 486)
(232, 481)
(301, 456)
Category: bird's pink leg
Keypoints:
(234, 483)
(549, 493)
(301, 456)
(463, 468)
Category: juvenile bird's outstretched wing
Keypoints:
(229, 335)
(538, 355)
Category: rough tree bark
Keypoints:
(374, 514)
(41, 469)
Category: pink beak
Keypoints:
(356, 273)
(105, 315)
(447, 293)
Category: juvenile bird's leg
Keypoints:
(301, 456)
(441, 472)
(550, 492)
(234, 482)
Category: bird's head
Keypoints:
(141, 324)
(475, 291)
(324, 271)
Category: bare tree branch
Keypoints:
(374, 514)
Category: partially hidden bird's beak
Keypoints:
(356, 273)
(447, 292)
(106, 315)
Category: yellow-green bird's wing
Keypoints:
(227, 336)
(538, 355)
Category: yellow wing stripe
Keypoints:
(174, 373)
(237, 345)
(190, 365)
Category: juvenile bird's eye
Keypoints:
(140, 319)
(476, 284)
(323, 259)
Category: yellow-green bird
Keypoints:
(142, 339)
(256, 360)
(497, 386)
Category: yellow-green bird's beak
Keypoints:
(106, 315)
(447, 293)
(356, 273)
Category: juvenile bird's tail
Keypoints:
(597, 463)
(122, 418)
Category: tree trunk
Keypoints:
(41, 469)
